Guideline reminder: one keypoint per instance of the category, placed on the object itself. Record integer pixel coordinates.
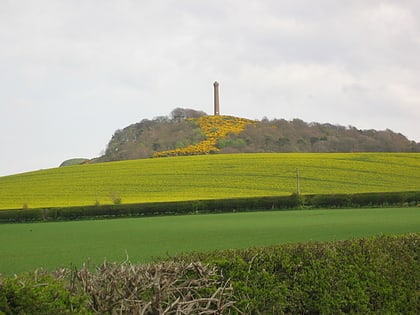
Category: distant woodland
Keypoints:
(180, 129)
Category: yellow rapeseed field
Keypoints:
(211, 176)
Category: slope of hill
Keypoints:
(211, 177)
(190, 132)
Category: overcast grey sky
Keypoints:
(74, 71)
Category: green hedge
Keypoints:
(367, 276)
(379, 275)
(293, 201)
(41, 294)
(363, 199)
(148, 209)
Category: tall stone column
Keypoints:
(216, 98)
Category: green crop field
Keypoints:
(211, 177)
(24, 247)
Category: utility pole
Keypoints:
(297, 182)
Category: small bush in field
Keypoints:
(116, 200)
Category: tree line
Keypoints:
(178, 130)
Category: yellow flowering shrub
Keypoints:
(215, 128)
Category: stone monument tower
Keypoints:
(216, 99)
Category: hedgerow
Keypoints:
(366, 276)
(292, 201)
(379, 275)
(41, 293)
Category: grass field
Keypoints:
(211, 177)
(24, 247)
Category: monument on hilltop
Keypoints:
(216, 99)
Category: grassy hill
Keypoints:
(210, 177)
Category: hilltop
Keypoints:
(192, 132)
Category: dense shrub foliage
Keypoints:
(280, 135)
(366, 276)
(42, 294)
(378, 275)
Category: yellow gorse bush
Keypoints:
(215, 128)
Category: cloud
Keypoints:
(72, 72)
